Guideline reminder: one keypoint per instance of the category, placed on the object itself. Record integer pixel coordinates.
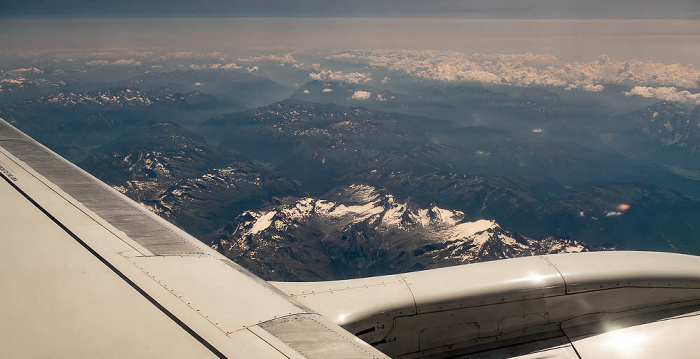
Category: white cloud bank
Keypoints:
(666, 93)
(527, 70)
(361, 95)
(230, 66)
(339, 76)
(120, 62)
(192, 55)
(21, 71)
(283, 59)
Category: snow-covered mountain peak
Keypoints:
(355, 204)
(367, 228)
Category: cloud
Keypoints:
(19, 71)
(306, 92)
(13, 81)
(613, 214)
(126, 62)
(585, 87)
(191, 55)
(339, 76)
(180, 55)
(97, 63)
(121, 53)
(284, 59)
(120, 62)
(230, 66)
(361, 95)
(526, 70)
(197, 84)
(327, 90)
(251, 69)
(668, 93)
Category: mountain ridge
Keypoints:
(358, 230)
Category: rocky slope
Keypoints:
(358, 230)
(172, 172)
(672, 125)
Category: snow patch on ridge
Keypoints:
(262, 223)
(468, 229)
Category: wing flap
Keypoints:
(59, 300)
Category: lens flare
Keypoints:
(623, 207)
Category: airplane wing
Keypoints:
(86, 272)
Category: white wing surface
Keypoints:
(88, 273)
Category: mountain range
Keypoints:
(353, 179)
(358, 230)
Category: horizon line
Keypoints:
(178, 17)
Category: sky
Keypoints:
(574, 30)
(668, 41)
(475, 9)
